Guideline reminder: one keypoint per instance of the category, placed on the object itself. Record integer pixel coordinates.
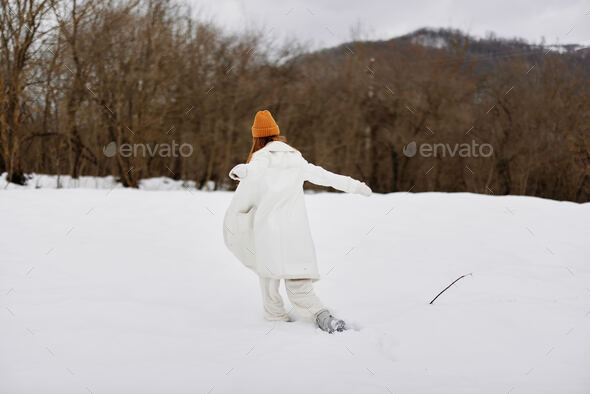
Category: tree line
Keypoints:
(83, 79)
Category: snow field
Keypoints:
(119, 291)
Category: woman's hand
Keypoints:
(363, 189)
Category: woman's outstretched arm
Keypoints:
(320, 176)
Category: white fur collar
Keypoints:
(278, 146)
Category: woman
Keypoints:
(266, 225)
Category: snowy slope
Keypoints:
(129, 291)
(45, 181)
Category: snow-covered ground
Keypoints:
(44, 181)
(131, 291)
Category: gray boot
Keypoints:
(329, 323)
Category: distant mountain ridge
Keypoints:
(489, 49)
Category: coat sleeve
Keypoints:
(252, 169)
(319, 176)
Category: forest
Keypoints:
(82, 79)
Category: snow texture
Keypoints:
(42, 181)
(133, 291)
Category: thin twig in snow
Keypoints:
(445, 289)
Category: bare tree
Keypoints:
(21, 28)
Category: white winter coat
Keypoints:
(266, 225)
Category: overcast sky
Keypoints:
(329, 22)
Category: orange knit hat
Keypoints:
(264, 125)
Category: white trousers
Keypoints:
(300, 293)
